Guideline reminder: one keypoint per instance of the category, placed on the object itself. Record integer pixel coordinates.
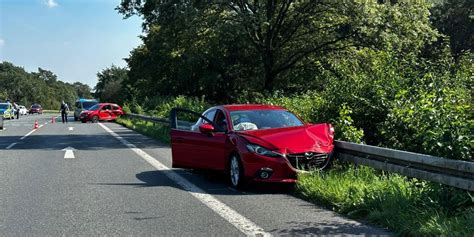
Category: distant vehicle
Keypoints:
(261, 143)
(23, 110)
(6, 110)
(81, 105)
(101, 112)
(36, 108)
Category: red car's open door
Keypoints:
(193, 142)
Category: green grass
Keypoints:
(50, 111)
(408, 207)
(158, 131)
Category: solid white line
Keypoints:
(11, 145)
(243, 224)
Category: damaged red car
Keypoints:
(260, 143)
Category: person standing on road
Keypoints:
(64, 110)
(17, 110)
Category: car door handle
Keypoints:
(179, 139)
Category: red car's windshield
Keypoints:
(95, 107)
(263, 119)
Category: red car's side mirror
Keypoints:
(206, 128)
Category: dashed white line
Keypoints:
(243, 224)
(11, 145)
(32, 131)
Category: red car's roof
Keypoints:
(235, 107)
(100, 104)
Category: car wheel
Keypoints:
(236, 172)
(95, 119)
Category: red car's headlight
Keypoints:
(262, 151)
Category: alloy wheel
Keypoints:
(235, 171)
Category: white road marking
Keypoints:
(69, 153)
(71, 128)
(32, 131)
(11, 145)
(243, 224)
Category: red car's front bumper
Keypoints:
(279, 170)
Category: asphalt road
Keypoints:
(119, 182)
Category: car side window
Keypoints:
(115, 107)
(220, 120)
(209, 115)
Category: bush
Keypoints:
(434, 117)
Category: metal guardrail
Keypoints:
(148, 118)
(455, 173)
(182, 124)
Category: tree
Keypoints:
(284, 34)
(36, 87)
(83, 90)
(455, 18)
(109, 86)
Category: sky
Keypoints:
(74, 39)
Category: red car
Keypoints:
(101, 112)
(250, 142)
(36, 108)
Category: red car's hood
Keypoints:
(292, 140)
(87, 112)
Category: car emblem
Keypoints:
(308, 154)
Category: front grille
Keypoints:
(308, 160)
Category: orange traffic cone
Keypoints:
(36, 124)
(53, 119)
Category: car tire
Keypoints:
(95, 119)
(236, 171)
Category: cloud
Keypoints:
(50, 3)
(2, 42)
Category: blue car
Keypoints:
(6, 111)
(83, 104)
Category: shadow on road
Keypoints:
(80, 142)
(323, 228)
(211, 183)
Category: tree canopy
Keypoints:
(42, 87)
(395, 73)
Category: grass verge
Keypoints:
(408, 207)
